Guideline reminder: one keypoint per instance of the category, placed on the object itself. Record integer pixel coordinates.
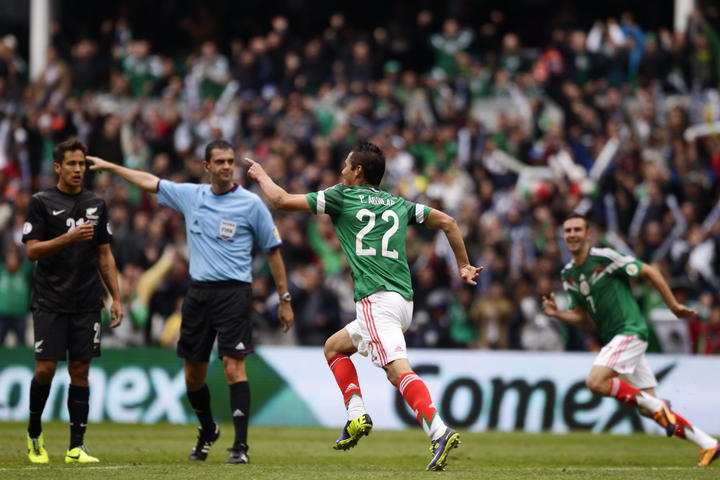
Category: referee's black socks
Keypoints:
(38, 398)
(240, 408)
(78, 407)
(200, 402)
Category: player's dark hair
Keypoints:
(69, 145)
(216, 145)
(372, 160)
(578, 215)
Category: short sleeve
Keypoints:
(178, 196)
(328, 201)
(622, 265)
(104, 235)
(34, 226)
(416, 212)
(266, 233)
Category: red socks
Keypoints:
(623, 391)
(346, 376)
(417, 395)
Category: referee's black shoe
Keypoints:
(204, 442)
(238, 454)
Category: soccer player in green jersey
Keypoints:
(597, 283)
(371, 225)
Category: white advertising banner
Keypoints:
(523, 391)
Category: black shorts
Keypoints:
(213, 309)
(58, 333)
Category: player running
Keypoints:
(596, 281)
(371, 226)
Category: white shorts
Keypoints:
(379, 326)
(625, 354)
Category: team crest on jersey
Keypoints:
(227, 229)
(91, 215)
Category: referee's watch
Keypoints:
(285, 297)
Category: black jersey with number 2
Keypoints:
(67, 281)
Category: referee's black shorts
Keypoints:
(213, 309)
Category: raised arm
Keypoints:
(146, 181)
(108, 272)
(277, 195)
(577, 316)
(277, 269)
(656, 279)
(437, 219)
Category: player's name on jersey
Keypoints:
(376, 200)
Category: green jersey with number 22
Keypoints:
(371, 225)
(601, 286)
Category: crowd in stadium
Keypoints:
(616, 122)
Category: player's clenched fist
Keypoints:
(81, 233)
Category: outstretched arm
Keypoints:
(277, 195)
(576, 316)
(656, 279)
(146, 181)
(437, 219)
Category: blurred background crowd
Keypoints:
(508, 125)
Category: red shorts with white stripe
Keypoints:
(625, 354)
(379, 327)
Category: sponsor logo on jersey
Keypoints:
(276, 233)
(584, 288)
(107, 225)
(27, 228)
(57, 212)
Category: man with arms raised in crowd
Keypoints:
(371, 226)
(222, 221)
(597, 283)
(67, 233)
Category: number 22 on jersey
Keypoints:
(388, 216)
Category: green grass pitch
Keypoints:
(130, 452)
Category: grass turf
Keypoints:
(130, 452)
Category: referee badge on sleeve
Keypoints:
(227, 229)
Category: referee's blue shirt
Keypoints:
(220, 229)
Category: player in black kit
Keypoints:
(67, 233)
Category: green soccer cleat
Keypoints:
(79, 455)
(36, 450)
(352, 433)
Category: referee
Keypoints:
(222, 220)
(67, 233)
